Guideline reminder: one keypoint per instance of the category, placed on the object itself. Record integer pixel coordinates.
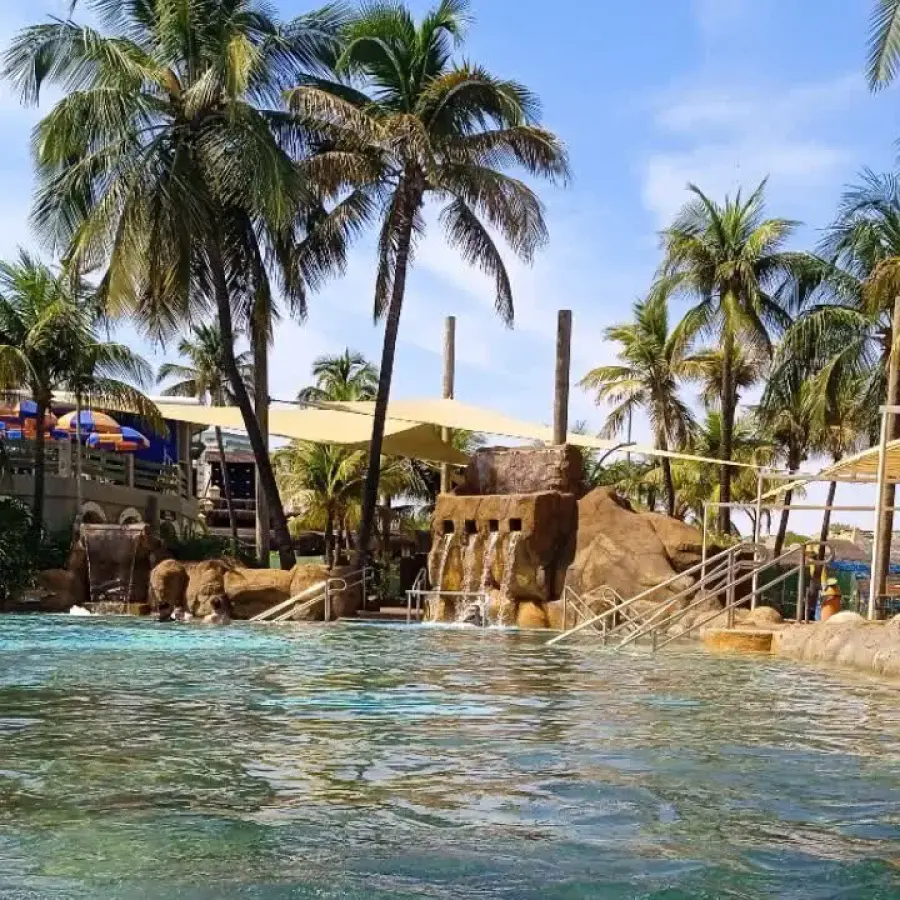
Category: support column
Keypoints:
(876, 583)
(757, 526)
(260, 340)
(563, 365)
(448, 386)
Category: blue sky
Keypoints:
(648, 96)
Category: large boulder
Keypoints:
(764, 615)
(531, 615)
(683, 543)
(206, 580)
(524, 470)
(867, 646)
(56, 591)
(620, 548)
(168, 584)
(252, 591)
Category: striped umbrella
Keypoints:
(129, 440)
(92, 422)
(27, 409)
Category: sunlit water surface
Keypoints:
(140, 760)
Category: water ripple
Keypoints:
(362, 762)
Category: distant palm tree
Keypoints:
(409, 124)
(47, 344)
(851, 320)
(349, 376)
(731, 259)
(785, 413)
(204, 379)
(170, 163)
(705, 366)
(652, 363)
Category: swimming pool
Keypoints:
(140, 760)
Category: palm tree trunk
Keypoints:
(727, 432)
(226, 488)
(668, 480)
(260, 339)
(39, 464)
(79, 486)
(826, 520)
(386, 526)
(783, 522)
(251, 423)
(329, 537)
(887, 498)
(392, 326)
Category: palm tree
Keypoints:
(321, 480)
(203, 378)
(705, 367)
(47, 344)
(349, 376)
(841, 425)
(169, 164)
(409, 124)
(785, 413)
(852, 319)
(730, 258)
(652, 362)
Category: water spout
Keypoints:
(489, 553)
(469, 560)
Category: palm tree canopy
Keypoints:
(407, 122)
(652, 362)
(170, 129)
(346, 377)
(203, 377)
(733, 261)
(705, 365)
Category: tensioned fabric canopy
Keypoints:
(861, 468)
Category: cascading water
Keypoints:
(506, 603)
(445, 553)
(475, 611)
(469, 559)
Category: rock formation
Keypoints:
(872, 647)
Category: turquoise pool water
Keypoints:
(160, 761)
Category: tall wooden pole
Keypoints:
(563, 363)
(448, 386)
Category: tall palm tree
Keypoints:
(204, 379)
(704, 366)
(169, 164)
(731, 260)
(785, 413)
(652, 360)
(47, 344)
(348, 376)
(408, 124)
(851, 321)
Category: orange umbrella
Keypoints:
(92, 422)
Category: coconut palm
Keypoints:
(731, 260)
(652, 360)
(349, 376)
(852, 320)
(407, 125)
(47, 344)
(169, 165)
(785, 413)
(321, 480)
(704, 367)
(203, 378)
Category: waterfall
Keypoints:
(469, 564)
(445, 552)
(489, 552)
(510, 563)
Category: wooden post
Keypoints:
(447, 394)
(877, 581)
(563, 360)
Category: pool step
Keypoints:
(387, 614)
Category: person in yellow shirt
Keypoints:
(831, 599)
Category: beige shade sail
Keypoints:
(861, 468)
(464, 417)
(325, 426)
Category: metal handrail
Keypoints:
(657, 623)
(643, 595)
(418, 586)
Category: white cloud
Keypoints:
(723, 138)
